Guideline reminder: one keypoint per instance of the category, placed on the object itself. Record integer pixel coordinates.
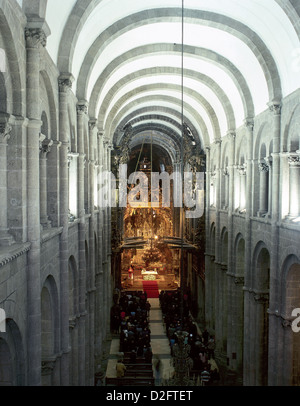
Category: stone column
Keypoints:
(105, 242)
(260, 362)
(226, 188)
(217, 291)
(249, 127)
(231, 169)
(6, 239)
(81, 115)
(294, 185)
(275, 110)
(99, 273)
(263, 188)
(35, 40)
(65, 83)
(242, 198)
(45, 148)
(53, 183)
(232, 136)
(92, 263)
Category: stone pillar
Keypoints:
(275, 110)
(81, 115)
(44, 151)
(92, 263)
(294, 185)
(249, 126)
(230, 284)
(242, 198)
(260, 362)
(65, 83)
(99, 273)
(263, 188)
(226, 188)
(232, 136)
(53, 183)
(6, 239)
(35, 39)
(217, 288)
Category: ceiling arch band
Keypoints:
(126, 60)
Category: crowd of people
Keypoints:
(176, 315)
(129, 318)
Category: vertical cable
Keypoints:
(182, 160)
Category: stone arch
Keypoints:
(13, 55)
(261, 284)
(200, 53)
(165, 113)
(50, 330)
(213, 238)
(45, 126)
(119, 108)
(51, 105)
(73, 312)
(225, 176)
(124, 115)
(239, 255)
(287, 279)
(4, 96)
(262, 171)
(291, 300)
(212, 85)
(261, 259)
(291, 138)
(224, 246)
(73, 286)
(228, 24)
(159, 139)
(12, 359)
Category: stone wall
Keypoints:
(54, 269)
(253, 234)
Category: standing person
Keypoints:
(130, 274)
(205, 337)
(205, 376)
(157, 367)
(211, 345)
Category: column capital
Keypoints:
(226, 171)
(249, 123)
(82, 107)
(45, 147)
(263, 167)
(275, 107)
(294, 158)
(231, 135)
(242, 169)
(92, 123)
(65, 82)
(35, 37)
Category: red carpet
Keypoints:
(151, 288)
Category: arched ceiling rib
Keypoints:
(238, 56)
(191, 115)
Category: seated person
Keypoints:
(121, 368)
